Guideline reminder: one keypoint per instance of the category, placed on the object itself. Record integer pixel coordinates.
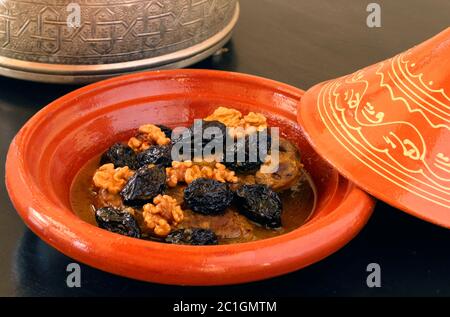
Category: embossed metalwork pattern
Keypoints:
(111, 31)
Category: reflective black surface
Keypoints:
(298, 42)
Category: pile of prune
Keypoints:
(117, 221)
(208, 196)
(120, 155)
(144, 185)
(192, 236)
(260, 204)
(245, 156)
(156, 154)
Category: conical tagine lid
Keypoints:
(387, 128)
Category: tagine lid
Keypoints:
(387, 128)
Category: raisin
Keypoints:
(120, 155)
(208, 196)
(260, 204)
(144, 185)
(156, 154)
(241, 161)
(167, 131)
(194, 236)
(117, 221)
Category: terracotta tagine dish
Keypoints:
(94, 173)
(141, 224)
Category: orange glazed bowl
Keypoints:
(49, 150)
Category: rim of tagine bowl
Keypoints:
(54, 144)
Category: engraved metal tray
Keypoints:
(113, 37)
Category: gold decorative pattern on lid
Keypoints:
(388, 128)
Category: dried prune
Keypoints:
(156, 154)
(260, 204)
(120, 155)
(144, 185)
(167, 131)
(118, 221)
(208, 196)
(247, 156)
(244, 164)
(194, 236)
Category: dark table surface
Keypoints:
(299, 42)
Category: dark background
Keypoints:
(301, 43)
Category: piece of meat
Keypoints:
(289, 171)
(230, 225)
